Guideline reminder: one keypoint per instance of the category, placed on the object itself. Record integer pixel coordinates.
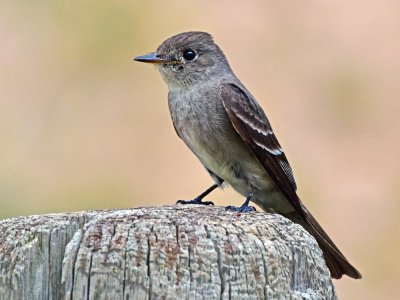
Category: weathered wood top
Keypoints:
(170, 252)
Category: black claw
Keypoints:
(194, 201)
(241, 209)
(245, 207)
(198, 199)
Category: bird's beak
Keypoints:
(153, 58)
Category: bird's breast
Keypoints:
(196, 115)
(202, 123)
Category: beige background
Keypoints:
(84, 127)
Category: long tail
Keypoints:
(338, 264)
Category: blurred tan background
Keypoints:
(84, 127)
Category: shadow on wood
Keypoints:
(171, 252)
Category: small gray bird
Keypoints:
(225, 127)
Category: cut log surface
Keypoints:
(169, 252)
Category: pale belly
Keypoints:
(234, 162)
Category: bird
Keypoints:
(227, 130)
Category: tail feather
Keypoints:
(338, 264)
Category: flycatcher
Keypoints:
(225, 127)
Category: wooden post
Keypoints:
(170, 252)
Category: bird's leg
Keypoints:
(245, 206)
(200, 197)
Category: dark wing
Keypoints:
(250, 121)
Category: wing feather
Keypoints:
(251, 123)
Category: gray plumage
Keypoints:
(224, 126)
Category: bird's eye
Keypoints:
(189, 54)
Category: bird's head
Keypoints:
(188, 58)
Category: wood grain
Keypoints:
(169, 252)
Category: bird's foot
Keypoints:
(200, 197)
(241, 209)
(245, 206)
(195, 201)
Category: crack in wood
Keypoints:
(167, 252)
